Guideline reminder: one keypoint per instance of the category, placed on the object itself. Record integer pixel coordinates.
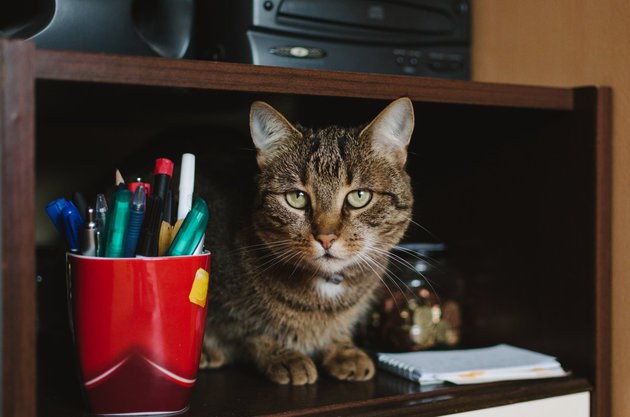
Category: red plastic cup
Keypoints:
(137, 333)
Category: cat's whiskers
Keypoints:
(276, 259)
(414, 223)
(394, 279)
(424, 229)
(401, 262)
(366, 260)
(397, 262)
(265, 245)
(425, 258)
(432, 262)
(297, 265)
(272, 254)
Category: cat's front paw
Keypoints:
(211, 360)
(290, 367)
(348, 363)
(213, 355)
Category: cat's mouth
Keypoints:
(329, 255)
(327, 258)
(332, 259)
(330, 263)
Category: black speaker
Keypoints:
(138, 27)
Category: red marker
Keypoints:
(163, 173)
(162, 178)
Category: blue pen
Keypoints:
(54, 210)
(72, 222)
(117, 225)
(136, 215)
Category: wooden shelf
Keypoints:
(148, 71)
(386, 395)
(517, 179)
(243, 393)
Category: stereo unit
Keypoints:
(412, 37)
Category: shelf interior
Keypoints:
(509, 190)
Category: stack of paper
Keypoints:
(472, 366)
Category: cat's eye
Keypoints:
(358, 198)
(296, 199)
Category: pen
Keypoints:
(186, 189)
(163, 173)
(191, 231)
(166, 229)
(199, 247)
(72, 223)
(89, 234)
(54, 210)
(101, 222)
(117, 224)
(165, 239)
(133, 186)
(186, 185)
(149, 234)
(136, 215)
(168, 207)
(80, 203)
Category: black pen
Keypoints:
(162, 175)
(150, 232)
(81, 204)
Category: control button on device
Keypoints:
(299, 52)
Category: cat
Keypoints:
(295, 279)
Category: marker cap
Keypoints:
(54, 210)
(192, 230)
(186, 185)
(133, 186)
(163, 166)
(72, 222)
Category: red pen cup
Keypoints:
(138, 326)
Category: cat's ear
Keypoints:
(390, 131)
(269, 130)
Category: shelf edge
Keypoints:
(163, 72)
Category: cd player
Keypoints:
(413, 37)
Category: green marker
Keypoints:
(117, 225)
(192, 230)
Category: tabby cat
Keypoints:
(330, 205)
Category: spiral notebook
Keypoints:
(472, 366)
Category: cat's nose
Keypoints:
(326, 240)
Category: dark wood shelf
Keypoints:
(516, 179)
(386, 395)
(149, 71)
(242, 392)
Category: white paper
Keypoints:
(467, 366)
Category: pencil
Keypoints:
(119, 180)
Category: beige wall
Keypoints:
(569, 43)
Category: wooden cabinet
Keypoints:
(515, 179)
(572, 405)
